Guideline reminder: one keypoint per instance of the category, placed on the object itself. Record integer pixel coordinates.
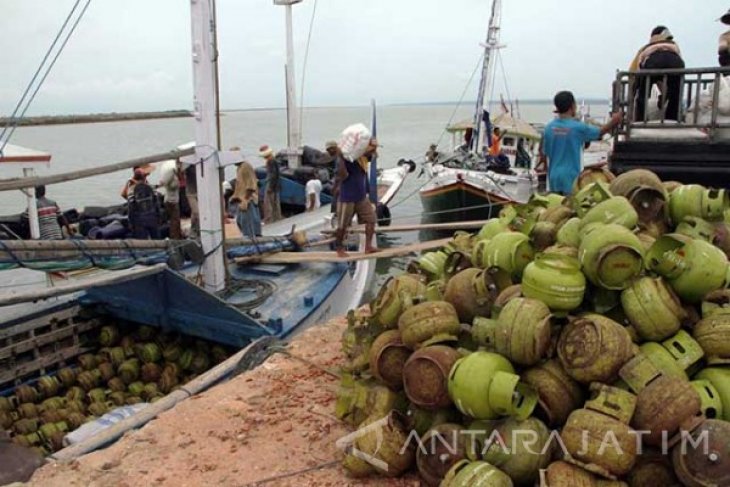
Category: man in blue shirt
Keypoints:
(563, 142)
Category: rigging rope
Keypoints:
(11, 119)
(461, 98)
(304, 67)
(15, 121)
(504, 79)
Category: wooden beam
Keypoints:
(315, 257)
(113, 277)
(21, 183)
(468, 225)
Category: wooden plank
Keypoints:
(314, 257)
(113, 277)
(32, 182)
(46, 338)
(44, 320)
(468, 225)
(47, 360)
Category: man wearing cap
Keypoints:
(353, 196)
(563, 141)
(272, 206)
(660, 53)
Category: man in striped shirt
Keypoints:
(48, 216)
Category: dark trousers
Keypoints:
(673, 93)
(145, 230)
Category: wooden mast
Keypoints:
(294, 136)
(485, 87)
(206, 144)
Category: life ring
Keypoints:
(383, 213)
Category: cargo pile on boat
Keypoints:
(133, 364)
(578, 341)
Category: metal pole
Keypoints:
(206, 150)
(294, 138)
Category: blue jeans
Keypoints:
(249, 220)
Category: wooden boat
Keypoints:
(48, 319)
(465, 182)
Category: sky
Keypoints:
(134, 55)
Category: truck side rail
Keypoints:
(631, 88)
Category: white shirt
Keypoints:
(314, 186)
(169, 181)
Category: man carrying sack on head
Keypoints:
(357, 147)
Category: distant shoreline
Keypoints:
(133, 116)
(96, 118)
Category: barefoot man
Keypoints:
(353, 195)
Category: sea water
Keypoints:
(403, 131)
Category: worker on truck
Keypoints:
(563, 142)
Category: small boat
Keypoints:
(467, 183)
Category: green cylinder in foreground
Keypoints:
(475, 474)
(611, 255)
(483, 385)
(556, 280)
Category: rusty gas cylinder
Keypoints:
(428, 323)
(442, 447)
(558, 394)
(473, 291)
(592, 348)
(384, 439)
(426, 376)
(563, 474)
(388, 354)
(598, 436)
(521, 333)
(665, 404)
(709, 464)
(713, 334)
(652, 469)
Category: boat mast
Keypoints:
(294, 137)
(485, 87)
(206, 143)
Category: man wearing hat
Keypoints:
(563, 142)
(660, 53)
(272, 206)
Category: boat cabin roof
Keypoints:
(505, 122)
(17, 154)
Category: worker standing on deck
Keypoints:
(357, 149)
(313, 189)
(563, 140)
(244, 204)
(50, 217)
(170, 184)
(272, 205)
(143, 209)
(660, 53)
(334, 151)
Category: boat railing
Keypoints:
(634, 88)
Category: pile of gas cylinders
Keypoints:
(572, 342)
(132, 364)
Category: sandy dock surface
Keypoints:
(273, 425)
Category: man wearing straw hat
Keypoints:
(272, 206)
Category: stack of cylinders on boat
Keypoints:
(571, 341)
(123, 365)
